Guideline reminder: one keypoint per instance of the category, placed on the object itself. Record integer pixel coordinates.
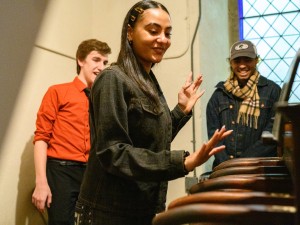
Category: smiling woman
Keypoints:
(132, 128)
(152, 36)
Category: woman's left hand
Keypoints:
(208, 149)
(188, 95)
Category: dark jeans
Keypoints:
(64, 179)
(85, 215)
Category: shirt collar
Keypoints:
(79, 84)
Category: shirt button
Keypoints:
(230, 106)
(231, 156)
(262, 105)
(232, 122)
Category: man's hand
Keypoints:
(42, 197)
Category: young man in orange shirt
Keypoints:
(62, 136)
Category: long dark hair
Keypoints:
(127, 60)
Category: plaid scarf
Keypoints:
(249, 109)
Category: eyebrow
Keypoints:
(157, 25)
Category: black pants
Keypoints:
(64, 179)
(86, 215)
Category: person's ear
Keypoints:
(80, 63)
(257, 60)
(129, 33)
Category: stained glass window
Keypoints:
(274, 27)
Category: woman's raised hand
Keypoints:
(188, 94)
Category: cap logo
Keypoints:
(241, 47)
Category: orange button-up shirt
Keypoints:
(63, 122)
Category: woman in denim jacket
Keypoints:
(244, 103)
(132, 128)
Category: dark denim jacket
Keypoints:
(130, 160)
(222, 109)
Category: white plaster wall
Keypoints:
(65, 24)
(214, 50)
(210, 53)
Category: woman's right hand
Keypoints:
(189, 94)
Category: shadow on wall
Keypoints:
(17, 40)
(26, 213)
